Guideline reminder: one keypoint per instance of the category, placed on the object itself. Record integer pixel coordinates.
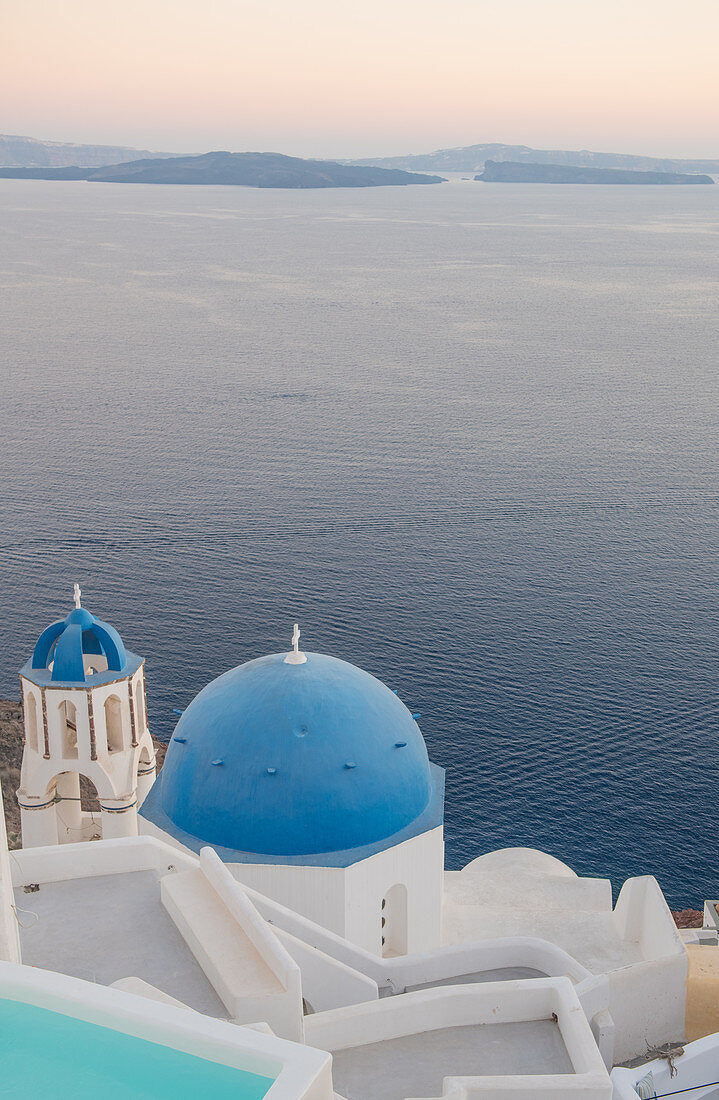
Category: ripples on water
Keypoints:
(463, 434)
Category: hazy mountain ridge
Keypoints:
(472, 158)
(508, 171)
(238, 169)
(27, 152)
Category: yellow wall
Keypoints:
(702, 992)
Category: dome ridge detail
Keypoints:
(64, 646)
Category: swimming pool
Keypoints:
(42, 1051)
(66, 1037)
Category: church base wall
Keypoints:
(401, 887)
(316, 892)
(395, 895)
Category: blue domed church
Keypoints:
(311, 779)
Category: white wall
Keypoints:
(418, 865)
(429, 966)
(327, 982)
(647, 999)
(103, 857)
(642, 915)
(9, 932)
(251, 971)
(316, 892)
(483, 1005)
(348, 901)
(262, 937)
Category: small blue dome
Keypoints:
(295, 759)
(65, 643)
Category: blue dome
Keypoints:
(65, 643)
(295, 759)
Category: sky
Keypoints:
(344, 78)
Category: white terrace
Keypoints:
(135, 908)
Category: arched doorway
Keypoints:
(90, 806)
(394, 921)
(77, 809)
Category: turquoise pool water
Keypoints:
(46, 1053)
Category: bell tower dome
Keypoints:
(85, 714)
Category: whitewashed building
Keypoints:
(287, 872)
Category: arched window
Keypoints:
(139, 709)
(68, 729)
(113, 724)
(31, 723)
(394, 921)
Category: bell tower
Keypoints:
(85, 714)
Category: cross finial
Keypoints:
(77, 594)
(296, 657)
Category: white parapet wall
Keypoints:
(59, 863)
(398, 973)
(648, 998)
(482, 1005)
(141, 988)
(300, 1072)
(326, 982)
(395, 975)
(9, 930)
(245, 962)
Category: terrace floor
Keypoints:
(415, 1065)
(111, 927)
(567, 912)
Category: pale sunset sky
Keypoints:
(344, 78)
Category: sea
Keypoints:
(465, 435)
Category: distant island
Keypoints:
(27, 152)
(472, 158)
(234, 169)
(508, 171)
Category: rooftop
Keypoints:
(415, 1065)
(492, 898)
(88, 928)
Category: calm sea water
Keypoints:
(464, 434)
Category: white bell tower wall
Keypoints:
(98, 731)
